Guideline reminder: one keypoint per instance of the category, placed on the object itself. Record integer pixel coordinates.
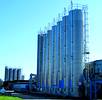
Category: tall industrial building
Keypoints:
(62, 53)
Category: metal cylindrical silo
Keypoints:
(14, 74)
(40, 59)
(18, 74)
(58, 67)
(76, 26)
(10, 74)
(50, 59)
(22, 77)
(6, 73)
(68, 56)
(64, 53)
(59, 55)
(44, 63)
(53, 69)
(51, 63)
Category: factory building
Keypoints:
(12, 74)
(93, 79)
(60, 56)
(93, 70)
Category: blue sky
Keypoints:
(20, 21)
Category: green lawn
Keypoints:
(9, 98)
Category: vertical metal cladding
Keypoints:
(6, 73)
(77, 40)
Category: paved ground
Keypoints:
(40, 99)
(24, 96)
(31, 97)
(37, 96)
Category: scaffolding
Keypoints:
(86, 47)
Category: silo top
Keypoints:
(76, 14)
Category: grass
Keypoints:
(9, 98)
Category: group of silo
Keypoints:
(60, 55)
(12, 74)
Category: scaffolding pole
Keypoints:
(86, 42)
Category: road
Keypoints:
(35, 96)
(42, 97)
(38, 95)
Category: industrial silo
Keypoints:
(57, 67)
(68, 56)
(39, 58)
(50, 69)
(53, 68)
(10, 74)
(58, 55)
(6, 73)
(14, 74)
(18, 74)
(50, 57)
(76, 31)
(22, 77)
(64, 54)
(57, 35)
(44, 63)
